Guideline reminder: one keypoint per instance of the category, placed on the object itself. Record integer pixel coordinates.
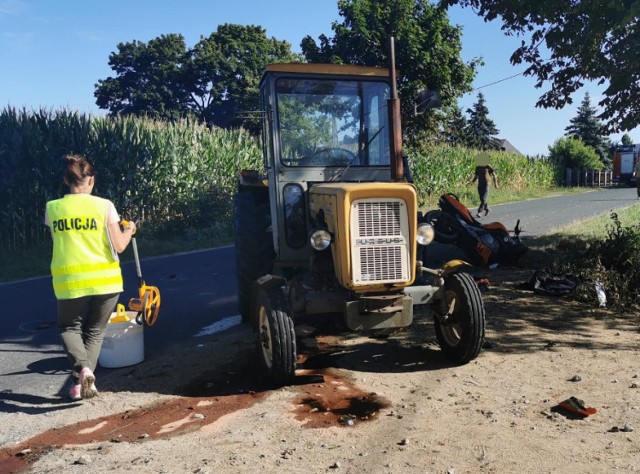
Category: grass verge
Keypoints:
(549, 250)
(469, 195)
(604, 249)
(35, 262)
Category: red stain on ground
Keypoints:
(167, 419)
(336, 401)
(326, 400)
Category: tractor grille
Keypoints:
(380, 236)
(378, 219)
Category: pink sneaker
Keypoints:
(87, 381)
(75, 392)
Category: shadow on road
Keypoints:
(518, 321)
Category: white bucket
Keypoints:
(123, 343)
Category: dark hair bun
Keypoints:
(76, 169)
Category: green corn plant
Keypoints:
(169, 175)
(439, 169)
(179, 176)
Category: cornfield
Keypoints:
(441, 169)
(169, 176)
(174, 177)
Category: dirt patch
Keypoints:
(390, 403)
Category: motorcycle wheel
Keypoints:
(461, 334)
(444, 226)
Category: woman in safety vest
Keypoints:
(85, 269)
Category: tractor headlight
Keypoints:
(320, 239)
(425, 234)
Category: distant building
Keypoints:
(508, 147)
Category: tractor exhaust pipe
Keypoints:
(395, 128)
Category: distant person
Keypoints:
(482, 175)
(85, 269)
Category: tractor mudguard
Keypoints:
(264, 281)
(453, 266)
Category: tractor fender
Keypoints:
(453, 266)
(265, 281)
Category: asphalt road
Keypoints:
(198, 289)
(543, 216)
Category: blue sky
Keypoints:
(53, 52)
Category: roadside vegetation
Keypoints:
(438, 169)
(178, 178)
(172, 177)
(605, 249)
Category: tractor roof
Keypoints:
(347, 69)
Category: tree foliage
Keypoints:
(427, 50)
(626, 140)
(224, 71)
(567, 42)
(587, 127)
(481, 130)
(455, 127)
(571, 152)
(215, 80)
(149, 79)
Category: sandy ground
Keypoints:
(364, 404)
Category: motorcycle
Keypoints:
(484, 244)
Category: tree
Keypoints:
(568, 42)
(571, 152)
(224, 72)
(215, 80)
(149, 79)
(455, 127)
(480, 128)
(427, 50)
(626, 140)
(587, 127)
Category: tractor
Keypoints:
(332, 227)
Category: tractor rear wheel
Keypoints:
(253, 242)
(460, 319)
(276, 336)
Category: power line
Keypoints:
(499, 81)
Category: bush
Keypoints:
(615, 261)
(571, 152)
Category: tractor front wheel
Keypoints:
(276, 337)
(460, 319)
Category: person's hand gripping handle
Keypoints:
(129, 225)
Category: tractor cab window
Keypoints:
(333, 122)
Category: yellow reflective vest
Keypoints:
(83, 262)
